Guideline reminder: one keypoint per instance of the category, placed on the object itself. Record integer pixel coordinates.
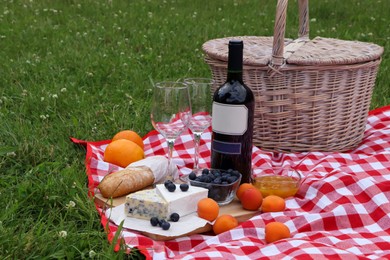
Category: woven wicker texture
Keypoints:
(257, 51)
(311, 95)
(327, 51)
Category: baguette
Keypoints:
(125, 181)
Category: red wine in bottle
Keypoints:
(232, 121)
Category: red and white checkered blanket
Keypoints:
(342, 209)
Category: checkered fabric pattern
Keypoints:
(342, 209)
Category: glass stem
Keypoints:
(197, 142)
(171, 144)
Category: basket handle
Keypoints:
(280, 28)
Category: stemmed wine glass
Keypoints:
(201, 103)
(170, 113)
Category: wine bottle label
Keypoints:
(229, 119)
(226, 147)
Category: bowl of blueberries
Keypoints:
(222, 184)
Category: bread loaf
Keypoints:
(125, 181)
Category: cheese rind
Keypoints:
(145, 204)
(182, 202)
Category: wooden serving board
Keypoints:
(234, 208)
(108, 203)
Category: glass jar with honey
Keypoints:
(284, 182)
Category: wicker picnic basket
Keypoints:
(311, 95)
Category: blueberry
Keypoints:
(202, 178)
(174, 217)
(224, 178)
(236, 173)
(171, 187)
(154, 221)
(231, 179)
(161, 222)
(184, 187)
(205, 171)
(217, 180)
(211, 176)
(217, 172)
(225, 182)
(165, 225)
(207, 179)
(192, 176)
(166, 183)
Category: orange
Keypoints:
(243, 187)
(122, 152)
(208, 209)
(251, 199)
(273, 203)
(224, 223)
(275, 231)
(129, 135)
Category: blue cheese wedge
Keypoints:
(182, 202)
(145, 204)
(161, 203)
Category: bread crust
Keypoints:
(125, 181)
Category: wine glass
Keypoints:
(201, 103)
(170, 113)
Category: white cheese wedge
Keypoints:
(182, 202)
(146, 204)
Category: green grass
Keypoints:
(83, 69)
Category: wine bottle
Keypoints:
(232, 121)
